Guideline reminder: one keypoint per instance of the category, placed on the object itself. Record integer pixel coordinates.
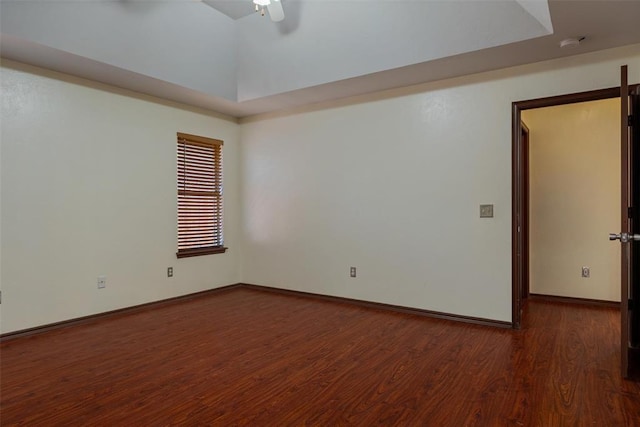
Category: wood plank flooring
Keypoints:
(253, 358)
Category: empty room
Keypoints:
(306, 212)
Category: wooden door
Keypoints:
(634, 288)
(630, 233)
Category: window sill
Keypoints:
(201, 251)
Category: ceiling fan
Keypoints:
(274, 6)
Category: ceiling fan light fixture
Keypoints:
(274, 6)
(260, 5)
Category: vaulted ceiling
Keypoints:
(219, 55)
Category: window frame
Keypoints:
(217, 196)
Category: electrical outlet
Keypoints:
(586, 272)
(169, 271)
(102, 282)
(352, 272)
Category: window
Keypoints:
(199, 196)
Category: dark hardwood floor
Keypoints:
(248, 357)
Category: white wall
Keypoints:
(391, 183)
(575, 199)
(88, 185)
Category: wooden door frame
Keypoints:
(519, 218)
(524, 286)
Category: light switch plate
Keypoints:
(486, 211)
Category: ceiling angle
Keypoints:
(274, 6)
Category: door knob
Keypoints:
(624, 237)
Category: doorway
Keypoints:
(629, 210)
(520, 188)
(573, 202)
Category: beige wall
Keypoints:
(392, 182)
(575, 199)
(88, 184)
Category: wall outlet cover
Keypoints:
(486, 211)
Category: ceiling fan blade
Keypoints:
(275, 11)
